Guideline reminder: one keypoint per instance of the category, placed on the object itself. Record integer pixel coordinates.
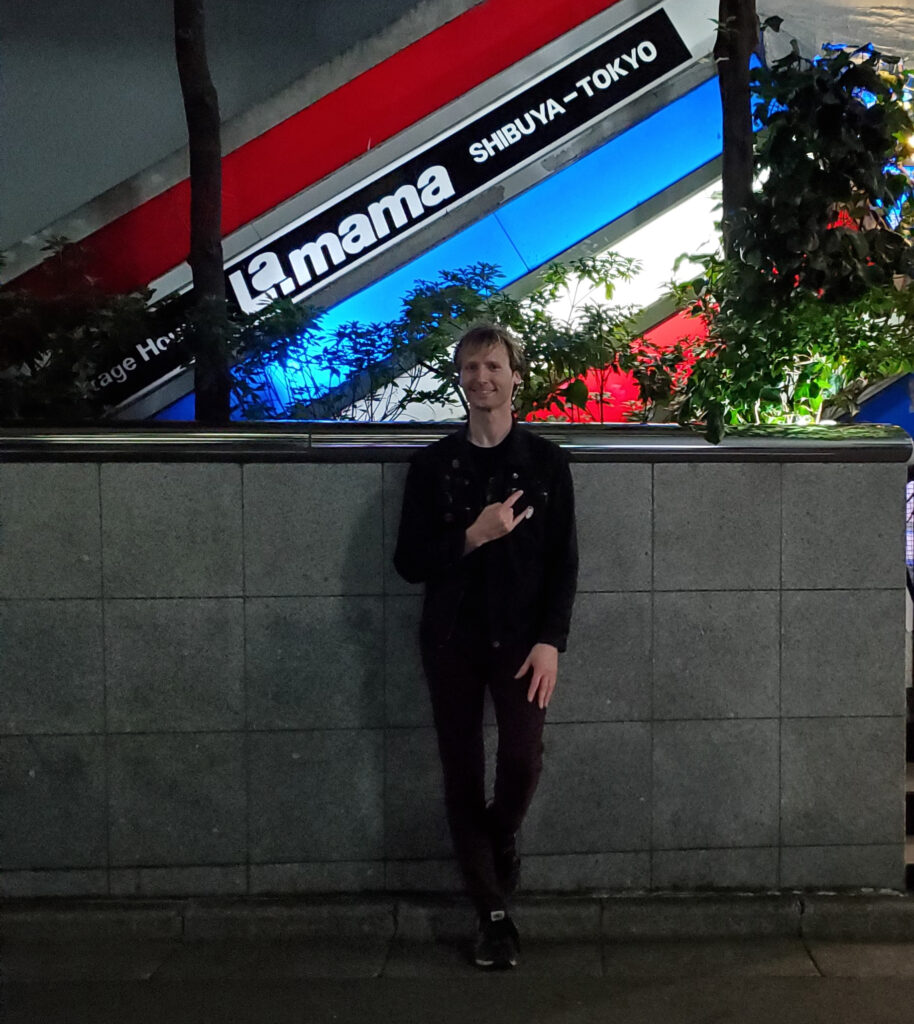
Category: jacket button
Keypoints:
(514, 476)
(455, 464)
(496, 644)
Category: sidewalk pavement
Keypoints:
(777, 960)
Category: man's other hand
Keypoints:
(494, 521)
(543, 660)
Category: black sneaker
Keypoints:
(497, 942)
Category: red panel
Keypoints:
(145, 243)
(619, 402)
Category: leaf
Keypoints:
(577, 393)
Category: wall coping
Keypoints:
(335, 441)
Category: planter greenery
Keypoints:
(376, 371)
(810, 306)
(813, 303)
(55, 344)
(810, 303)
(287, 366)
(56, 341)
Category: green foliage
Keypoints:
(814, 303)
(56, 341)
(378, 370)
(832, 138)
(53, 345)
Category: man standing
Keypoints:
(488, 526)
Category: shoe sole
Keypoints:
(495, 964)
(492, 965)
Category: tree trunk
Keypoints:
(737, 37)
(209, 320)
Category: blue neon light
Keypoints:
(557, 213)
(619, 176)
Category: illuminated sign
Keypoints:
(333, 239)
(377, 213)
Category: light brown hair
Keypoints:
(485, 334)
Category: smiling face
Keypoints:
(486, 376)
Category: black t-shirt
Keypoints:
(487, 465)
(486, 471)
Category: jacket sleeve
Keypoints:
(427, 547)
(561, 568)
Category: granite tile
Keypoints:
(317, 795)
(715, 784)
(843, 867)
(716, 526)
(52, 802)
(51, 667)
(394, 482)
(175, 665)
(586, 872)
(318, 877)
(605, 674)
(414, 820)
(27, 885)
(315, 662)
(49, 547)
(222, 880)
(842, 781)
(747, 868)
(716, 654)
(843, 653)
(177, 800)
(171, 530)
(843, 525)
(406, 691)
(423, 876)
(294, 547)
(594, 793)
(613, 510)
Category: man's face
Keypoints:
(486, 376)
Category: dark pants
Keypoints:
(458, 673)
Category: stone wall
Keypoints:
(211, 684)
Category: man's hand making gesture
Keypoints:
(494, 521)
(498, 520)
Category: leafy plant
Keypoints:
(58, 340)
(814, 301)
(54, 344)
(377, 371)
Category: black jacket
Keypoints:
(530, 574)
